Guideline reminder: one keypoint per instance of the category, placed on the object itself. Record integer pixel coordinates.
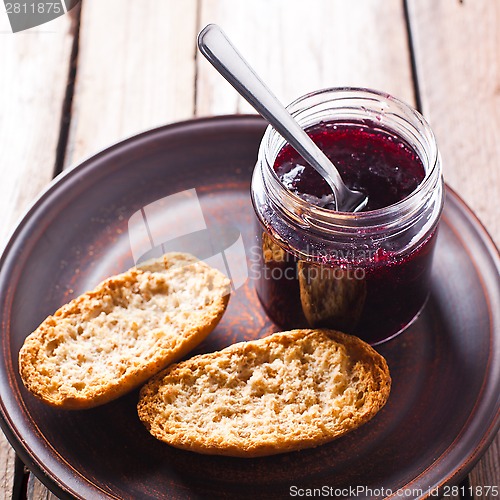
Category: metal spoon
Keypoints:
(218, 49)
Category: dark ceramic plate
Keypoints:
(444, 406)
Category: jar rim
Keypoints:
(319, 216)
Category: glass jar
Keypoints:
(365, 273)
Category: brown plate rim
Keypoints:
(483, 241)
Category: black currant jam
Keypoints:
(368, 273)
(369, 159)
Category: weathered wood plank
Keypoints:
(7, 459)
(135, 70)
(37, 491)
(457, 55)
(298, 46)
(34, 69)
(457, 50)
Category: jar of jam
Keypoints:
(365, 273)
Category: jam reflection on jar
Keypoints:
(369, 273)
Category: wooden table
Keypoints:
(113, 68)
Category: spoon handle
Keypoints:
(221, 53)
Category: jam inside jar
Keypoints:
(365, 273)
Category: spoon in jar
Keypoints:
(221, 53)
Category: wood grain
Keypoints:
(35, 66)
(457, 56)
(7, 459)
(37, 491)
(135, 71)
(457, 52)
(298, 46)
